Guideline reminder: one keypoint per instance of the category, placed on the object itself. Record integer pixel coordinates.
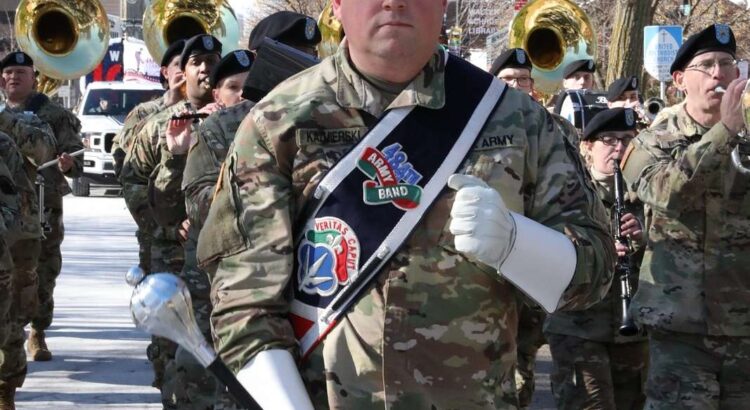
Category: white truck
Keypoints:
(102, 111)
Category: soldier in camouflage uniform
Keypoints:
(31, 144)
(10, 210)
(694, 283)
(18, 74)
(160, 350)
(215, 135)
(594, 367)
(153, 160)
(136, 194)
(431, 301)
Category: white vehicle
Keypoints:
(102, 111)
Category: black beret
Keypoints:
(515, 58)
(238, 61)
(619, 86)
(174, 49)
(716, 37)
(16, 58)
(198, 45)
(286, 27)
(613, 119)
(586, 65)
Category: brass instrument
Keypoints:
(166, 21)
(66, 38)
(554, 33)
(331, 32)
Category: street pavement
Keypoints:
(99, 356)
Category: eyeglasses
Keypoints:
(522, 81)
(708, 65)
(611, 140)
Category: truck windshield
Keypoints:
(116, 102)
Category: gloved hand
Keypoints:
(273, 380)
(482, 225)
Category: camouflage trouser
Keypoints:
(597, 375)
(529, 339)
(24, 304)
(50, 263)
(6, 290)
(689, 371)
(136, 198)
(195, 386)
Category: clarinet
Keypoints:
(623, 268)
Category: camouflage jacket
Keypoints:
(142, 163)
(135, 120)
(66, 129)
(434, 329)
(12, 171)
(694, 275)
(602, 321)
(33, 138)
(32, 135)
(213, 139)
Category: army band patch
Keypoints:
(392, 178)
(494, 141)
(328, 257)
(338, 136)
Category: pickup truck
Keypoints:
(102, 111)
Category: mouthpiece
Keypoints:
(719, 89)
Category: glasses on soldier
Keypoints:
(612, 140)
(708, 65)
(522, 80)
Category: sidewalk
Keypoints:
(99, 357)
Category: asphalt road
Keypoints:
(99, 356)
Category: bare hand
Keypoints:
(211, 108)
(630, 226)
(174, 94)
(65, 162)
(621, 249)
(731, 109)
(179, 136)
(182, 230)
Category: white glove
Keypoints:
(482, 225)
(273, 380)
(538, 260)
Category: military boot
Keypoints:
(37, 346)
(7, 397)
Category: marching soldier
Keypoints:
(594, 367)
(19, 77)
(31, 144)
(579, 75)
(216, 133)
(154, 158)
(693, 291)
(134, 194)
(228, 77)
(441, 292)
(160, 350)
(11, 164)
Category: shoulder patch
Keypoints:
(334, 136)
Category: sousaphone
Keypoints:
(166, 21)
(65, 38)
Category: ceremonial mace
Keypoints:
(161, 306)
